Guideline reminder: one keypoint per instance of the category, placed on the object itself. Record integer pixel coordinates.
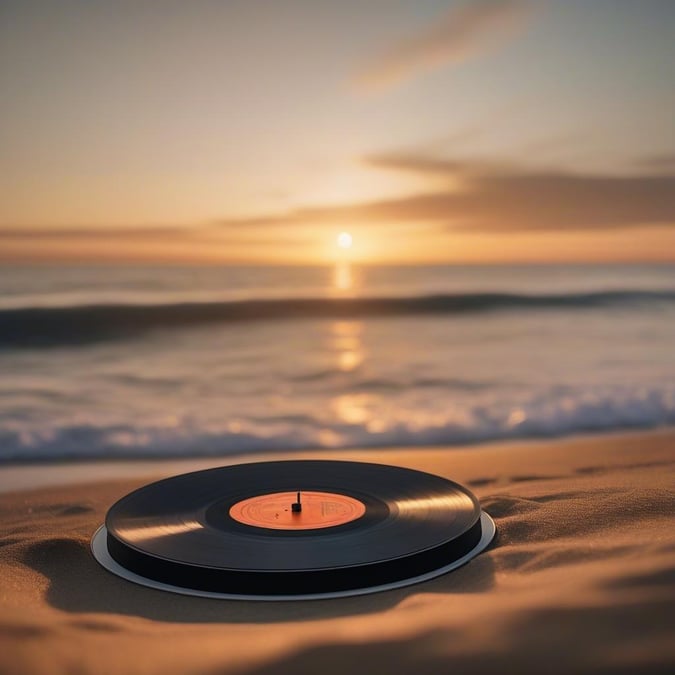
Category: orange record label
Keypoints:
(282, 511)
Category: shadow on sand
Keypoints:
(555, 640)
(78, 584)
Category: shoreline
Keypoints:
(18, 475)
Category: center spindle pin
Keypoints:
(296, 507)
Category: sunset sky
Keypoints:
(249, 131)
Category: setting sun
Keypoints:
(344, 240)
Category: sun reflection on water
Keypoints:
(347, 344)
(354, 408)
(343, 279)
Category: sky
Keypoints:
(256, 132)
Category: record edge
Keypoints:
(100, 553)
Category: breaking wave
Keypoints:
(543, 415)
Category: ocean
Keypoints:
(114, 361)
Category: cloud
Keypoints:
(457, 35)
(492, 197)
(661, 162)
(201, 233)
(481, 197)
(105, 232)
(425, 164)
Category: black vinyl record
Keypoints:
(223, 531)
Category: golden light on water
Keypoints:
(347, 344)
(354, 408)
(343, 279)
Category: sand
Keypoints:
(581, 577)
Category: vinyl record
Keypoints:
(292, 529)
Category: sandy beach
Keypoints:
(581, 577)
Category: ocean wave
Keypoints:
(331, 377)
(539, 417)
(82, 324)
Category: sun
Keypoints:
(344, 240)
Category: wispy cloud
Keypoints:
(661, 162)
(455, 36)
(238, 235)
(494, 197)
(105, 232)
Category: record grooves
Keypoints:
(292, 529)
